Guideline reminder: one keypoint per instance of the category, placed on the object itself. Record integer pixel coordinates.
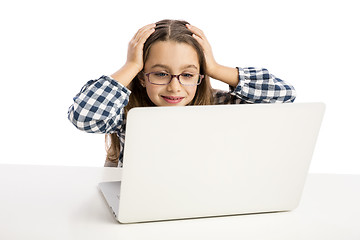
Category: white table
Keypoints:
(48, 202)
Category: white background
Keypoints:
(49, 49)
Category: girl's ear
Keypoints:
(141, 77)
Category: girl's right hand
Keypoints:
(135, 48)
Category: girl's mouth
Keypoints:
(172, 99)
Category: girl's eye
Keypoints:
(187, 75)
(161, 74)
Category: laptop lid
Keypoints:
(202, 161)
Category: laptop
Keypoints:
(208, 161)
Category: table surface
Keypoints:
(57, 202)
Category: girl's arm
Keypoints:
(256, 85)
(99, 106)
(251, 85)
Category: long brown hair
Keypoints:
(165, 30)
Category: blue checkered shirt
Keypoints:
(99, 106)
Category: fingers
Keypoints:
(198, 32)
(145, 35)
(135, 48)
(199, 35)
(145, 31)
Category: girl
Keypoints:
(168, 64)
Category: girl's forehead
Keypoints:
(171, 44)
(172, 54)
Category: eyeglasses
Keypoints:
(163, 78)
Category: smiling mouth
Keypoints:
(172, 99)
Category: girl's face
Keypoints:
(173, 58)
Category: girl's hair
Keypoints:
(165, 30)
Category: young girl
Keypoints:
(168, 64)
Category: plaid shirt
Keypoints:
(99, 106)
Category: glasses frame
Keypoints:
(201, 77)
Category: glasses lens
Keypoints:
(159, 78)
(189, 79)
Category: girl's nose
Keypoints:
(174, 85)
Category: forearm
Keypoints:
(125, 74)
(225, 74)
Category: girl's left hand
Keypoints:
(199, 35)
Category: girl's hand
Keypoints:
(214, 70)
(134, 63)
(136, 45)
(209, 57)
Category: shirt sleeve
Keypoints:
(99, 106)
(257, 85)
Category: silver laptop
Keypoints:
(207, 161)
